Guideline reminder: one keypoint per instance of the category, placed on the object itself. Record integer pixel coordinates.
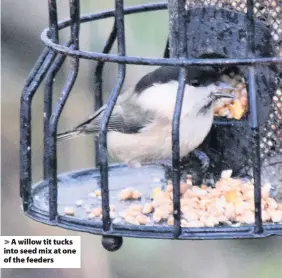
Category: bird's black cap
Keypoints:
(196, 76)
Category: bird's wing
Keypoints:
(127, 118)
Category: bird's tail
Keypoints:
(68, 134)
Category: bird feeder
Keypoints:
(240, 37)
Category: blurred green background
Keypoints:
(22, 23)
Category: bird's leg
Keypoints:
(210, 180)
(199, 175)
(204, 160)
(167, 165)
(196, 165)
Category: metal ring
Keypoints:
(89, 55)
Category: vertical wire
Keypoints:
(48, 88)
(52, 140)
(119, 19)
(53, 20)
(178, 48)
(253, 116)
(37, 75)
(98, 86)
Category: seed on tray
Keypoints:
(148, 208)
(112, 207)
(79, 203)
(136, 195)
(87, 209)
(156, 192)
(231, 202)
(247, 217)
(126, 194)
(92, 194)
(271, 203)
(69, 211)
(190, 215)
(131, 220)
(131, 212)
(143, 219)
(276, 216)
(91, 215)
(98, 192)
(136, 207)
(169, 188)
(170, 221)
(161, 202)
(161, 213)
(117, 220)
(225, 174)
(184, 187)
(265, 215)
(97, 211)
(194, 224)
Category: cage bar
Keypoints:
(48, 88)
(258, 228)
(178, 49)
(98, 85)
(52, 146)
(38, 74)
(48, 100)
(119, 20)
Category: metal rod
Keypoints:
(37, 66)
(176, 154)
(253, 116)
(98, 85)
(178, 48)
(48, 96)
(53, 20)
(119, 19)
(156, 61)
(48, 88)
(52, 140)
(255, 150)
(25, 126)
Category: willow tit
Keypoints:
(140, 126)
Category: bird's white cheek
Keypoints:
(160, 98)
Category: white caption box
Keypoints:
(40, 252)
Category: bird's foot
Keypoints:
(210, 180)
(204, 159)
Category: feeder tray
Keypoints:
(83, 183)
(216, 37)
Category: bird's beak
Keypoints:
(223, 91)
(223, 95)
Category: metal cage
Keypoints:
(255, 61)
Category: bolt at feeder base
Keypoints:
(112, 243)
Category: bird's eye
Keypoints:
(195, 83)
